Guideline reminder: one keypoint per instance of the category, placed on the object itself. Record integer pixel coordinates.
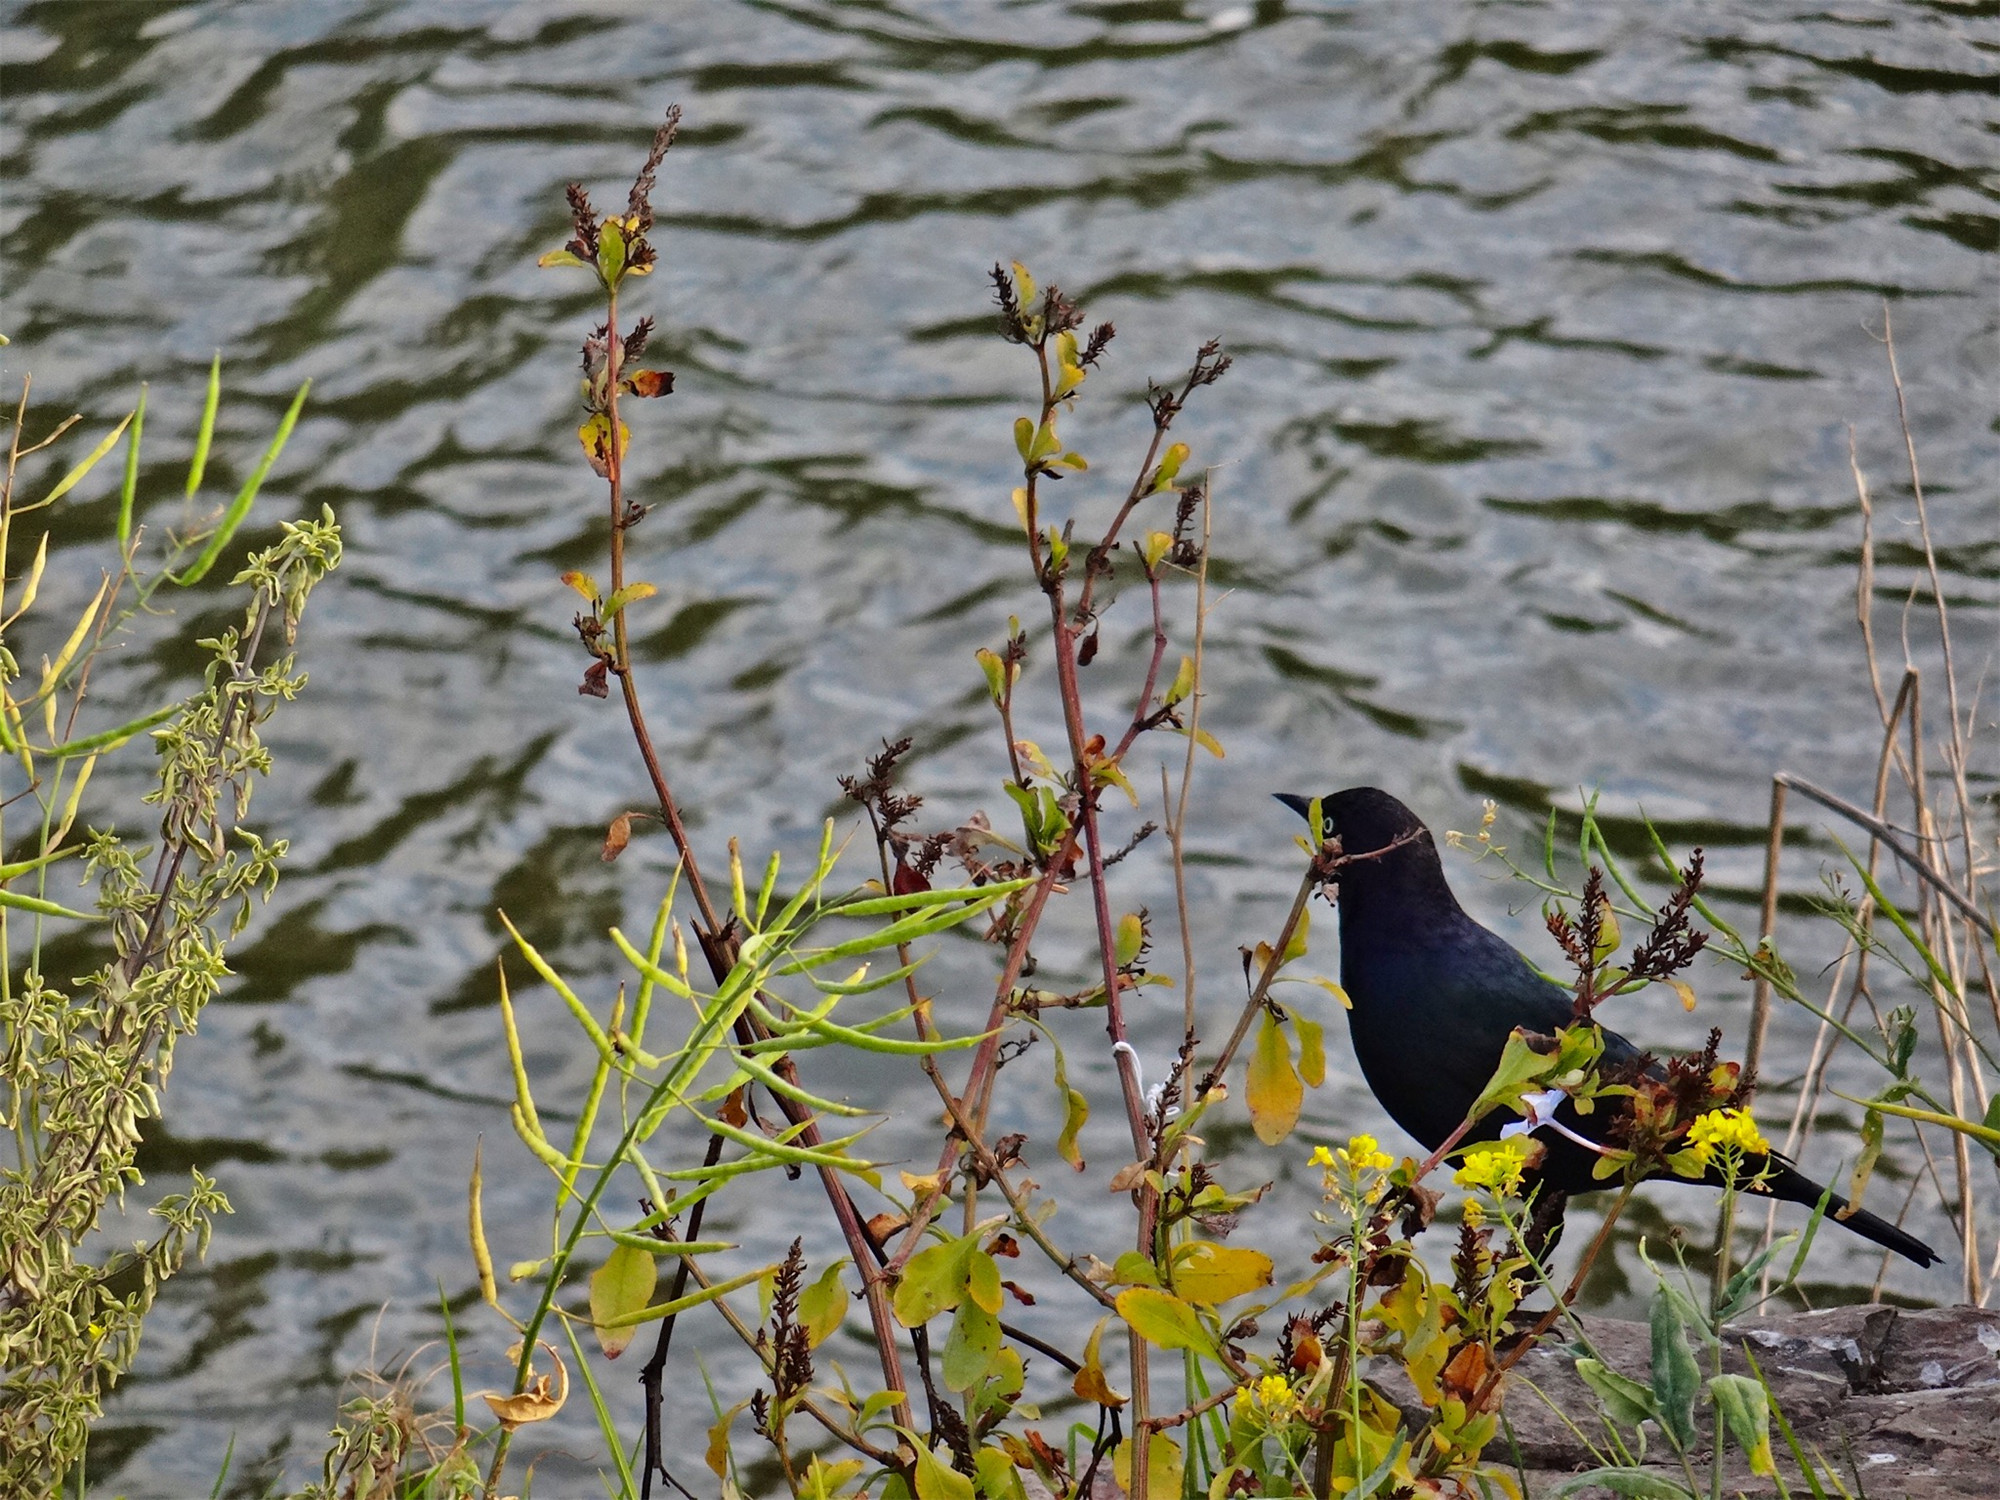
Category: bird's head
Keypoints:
(1389, 865)
(1364, 819)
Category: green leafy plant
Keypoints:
(87, 1055)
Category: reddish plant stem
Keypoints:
(1146, 1200)
(979, 1080)
(1128, 1068)
(1142, 717)
(717, 946)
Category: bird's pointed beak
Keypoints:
(1300, 805)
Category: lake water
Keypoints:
(1550, 323)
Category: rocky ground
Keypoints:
(1903, 1405)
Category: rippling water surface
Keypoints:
(1550, 323)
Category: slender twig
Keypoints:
(1308, 883)
(1177, 823)
(652, 1374)
(1188, 1413)
(1917, 864)
(717, 941)
(1550, 1318)
(979, 1078)
(1767, 924)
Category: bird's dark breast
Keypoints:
(1400, 1058)
(1432, 1013)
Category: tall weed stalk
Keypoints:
(87, 1056)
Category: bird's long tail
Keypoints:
(1793, 1186)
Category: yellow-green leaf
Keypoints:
(1520, 1065)
(621, 1286)
(1090, 1383)
(1345, 1001)
(1273, 1091)
(936, 1481)
(1076, 1110)
(1296, 948)
(625, 596)
(982, 1281)
(1162, 1319)
(595, 435)
(1110, 773)
(824, 1480)
(998, 1478)
(1312, 1050)
(970, 1346)
(1024, 436)
(1131, 936)
(717, 1456)
(562, 258)
(1170, 465)
(1607, 933)
(822, 1306)
(934, 1280)
(611, 251)
(1747, 1409)
(1163, 1465)
(1207, 1274)
(995, 670)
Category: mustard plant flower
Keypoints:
(1275, 1395)
(1365, 1154)
(1497, 1168)
(1729, 1131)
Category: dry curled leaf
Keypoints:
(649, 382)
(617, 836)
(538, 1402)
(885, 1224)
(1127, 1177)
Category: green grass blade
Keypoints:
(239, 508)
(606, 1425)
(206, 434)
(131, 488)
(229, 1452)
(451, 1348)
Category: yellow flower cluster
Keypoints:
(1497, 1167)
(1274, 1393)
(1362, 1153)
(1726, 1130)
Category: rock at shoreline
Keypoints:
(1905, 1405)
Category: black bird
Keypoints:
(1435, 997)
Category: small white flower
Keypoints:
(1541, 1110)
